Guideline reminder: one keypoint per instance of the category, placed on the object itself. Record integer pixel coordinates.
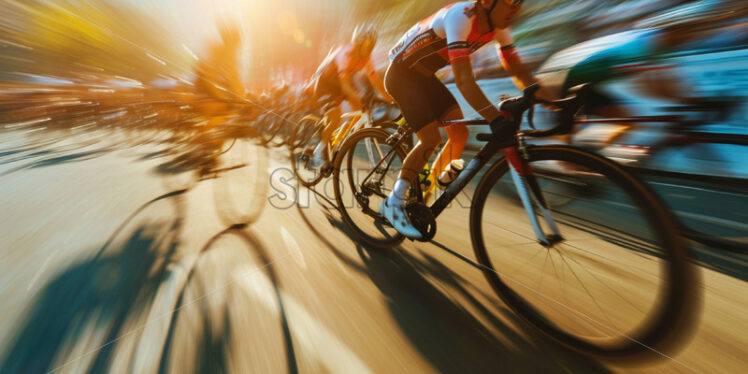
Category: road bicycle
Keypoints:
(308, 135)
(607, 275)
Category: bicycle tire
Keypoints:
(282, 136)
(676, 306)
(302, 131)
(344, 163)
(299, 159)
(266, 128)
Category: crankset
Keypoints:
(422, 219)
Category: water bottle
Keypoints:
(450, 173)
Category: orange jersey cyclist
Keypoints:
(334, 79)
(449, 36)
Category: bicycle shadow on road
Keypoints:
(80, 314)
(438, 311)
(210, 316)
(350, 262)
(122, 307)
(423, 298)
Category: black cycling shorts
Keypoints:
(422, 97)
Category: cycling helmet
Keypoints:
(364, 33)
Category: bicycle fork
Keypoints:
(529, 191)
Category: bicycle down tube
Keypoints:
(524, 181)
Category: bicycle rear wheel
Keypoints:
(308, 137)
(619, 286)
(359, 197)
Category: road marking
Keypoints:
(293, 246)
(308, 332)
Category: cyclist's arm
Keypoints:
(349, 90)
(512, 63)
(462, 68)
(377, 82)
(457, 28)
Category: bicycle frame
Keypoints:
(357, 120)
(527, 186)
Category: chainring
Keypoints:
(422, 219)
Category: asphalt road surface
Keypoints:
(116, 259)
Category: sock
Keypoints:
(397, 197)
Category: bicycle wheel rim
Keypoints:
(663, 318)
(304, 130)
(301, 160)
(349, 172)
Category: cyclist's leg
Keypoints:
(457, 137)
(411, 90)
(444, 105)
(327, 86)
(333, 122)
(428, 141)
(393, 208)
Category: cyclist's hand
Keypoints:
(502, 127)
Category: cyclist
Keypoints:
(218, 89)
(218, 82)
(638, 54)
(334, 78)
(447, 37)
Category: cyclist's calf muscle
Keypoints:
(429, 141)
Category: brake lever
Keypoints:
(531, 116)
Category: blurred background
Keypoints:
(125, 224)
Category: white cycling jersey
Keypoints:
(450, 33)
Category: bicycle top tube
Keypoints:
(464, 121)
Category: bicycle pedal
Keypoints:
(423, 220)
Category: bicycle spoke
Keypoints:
(602, 281)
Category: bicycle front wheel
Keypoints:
(618, 285)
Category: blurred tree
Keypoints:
(103, 37)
